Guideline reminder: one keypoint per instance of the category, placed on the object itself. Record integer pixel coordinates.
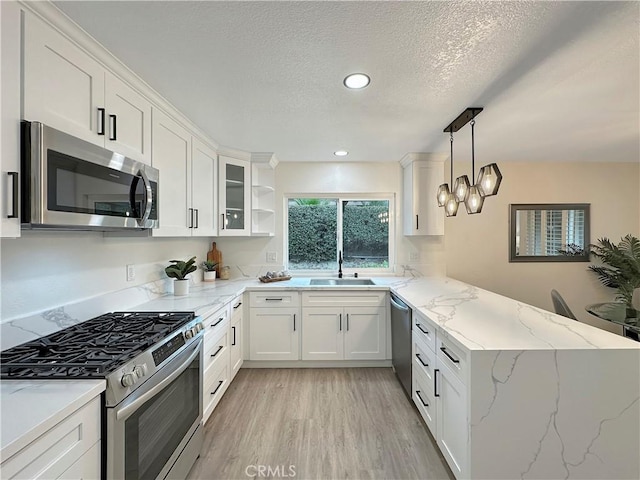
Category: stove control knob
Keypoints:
(128, 379)
(140, 370)
(188, 334)
(199, 326)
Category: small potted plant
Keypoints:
(209, 270)
(178, 270)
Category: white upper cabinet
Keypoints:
(172, 156)
(203, 190)
(187, 167)
(422, 175)
(128, 120)
(10, 120)
(235, 197)
(69, 90)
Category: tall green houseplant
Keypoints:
(620, 267)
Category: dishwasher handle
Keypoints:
(395, 304)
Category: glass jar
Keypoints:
(224, 273)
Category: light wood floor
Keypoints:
(347, 423)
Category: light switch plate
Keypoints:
(272, 257)
(131, 273)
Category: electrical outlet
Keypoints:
(414, 256)
(272, 257)
(131, 273)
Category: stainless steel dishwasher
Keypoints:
(401, 341)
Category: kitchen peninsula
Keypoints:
(545, 396)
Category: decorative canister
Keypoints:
(224, 273)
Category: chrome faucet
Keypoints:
(339, 263)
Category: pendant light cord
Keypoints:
(473, 155)
(451, 140)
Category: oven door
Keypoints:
(149, 430)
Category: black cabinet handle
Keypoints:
(294, 322)
(426, 332)
(239, 303)
(100, 121)
(420, 360)
(234, 336)
(217, 351)
(222, 226)
(218, 322)
(14, 194)
(197, 219)
(453, 359)
(340, 322)
(113, 135)
(435, 382)
(220, 382)
(417, 227)
(347, 322)
(191, 218)
(273, 299)
(420, 397)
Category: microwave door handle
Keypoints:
(138, 400)
(148, 196)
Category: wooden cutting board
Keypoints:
(215, 255)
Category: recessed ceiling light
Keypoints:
(341, 153)
(356, 80)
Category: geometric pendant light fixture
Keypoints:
(474, 201)
(451, 201)
(471, 194)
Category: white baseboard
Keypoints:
(316, 364)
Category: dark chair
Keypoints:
(560, 306)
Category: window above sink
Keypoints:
(361, 227)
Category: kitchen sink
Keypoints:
(341, 281)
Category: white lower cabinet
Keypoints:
(274, 325)
(215, 365)
(343, 333)
(235, 333)
(347, 325)
(439, 390)
(452, 419)
(71, 449)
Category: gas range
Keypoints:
(125, 348)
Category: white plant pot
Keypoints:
(181, 287)
(209, 276)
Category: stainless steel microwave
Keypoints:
(68, 183)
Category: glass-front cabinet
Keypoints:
(235, 191)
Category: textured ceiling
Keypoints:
(559, 81)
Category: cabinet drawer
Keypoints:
(356, 298)
(424, 359)
(215, 323)
(235, 307)
(422, 395)
(58, 449)
(216, 381)
(453, 357)
(425, 329)
(274, 299)
(216, 349)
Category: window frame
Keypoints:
(340, 197)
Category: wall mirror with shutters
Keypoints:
(549, 232)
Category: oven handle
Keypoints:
(137, 401)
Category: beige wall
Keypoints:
(426, 253)
(477, 248)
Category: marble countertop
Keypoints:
(474, 318)
(31, 407)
